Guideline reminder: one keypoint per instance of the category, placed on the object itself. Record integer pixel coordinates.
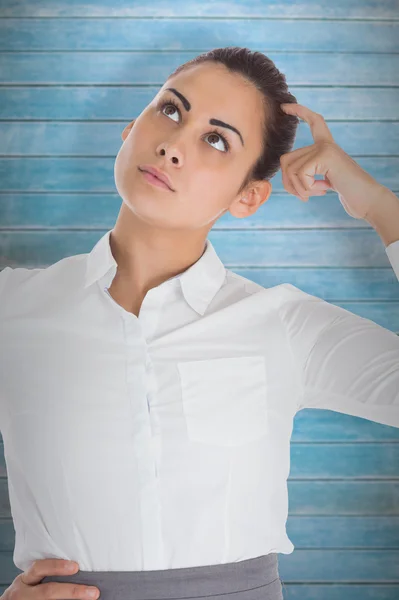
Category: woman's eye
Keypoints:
(171, 106)
(216, 135)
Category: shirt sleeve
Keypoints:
(344, 362)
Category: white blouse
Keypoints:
(163, 441)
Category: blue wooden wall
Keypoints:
(74, 73)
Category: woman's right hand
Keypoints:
(27, 586)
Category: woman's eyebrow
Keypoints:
(187, 106)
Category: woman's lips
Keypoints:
(155, 181)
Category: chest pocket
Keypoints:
(225, 399)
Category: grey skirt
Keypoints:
(251, 579)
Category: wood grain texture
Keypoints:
(152, 68)
(196, 34)
(355, 9)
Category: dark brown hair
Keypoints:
(279, 129)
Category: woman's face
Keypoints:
(205, 170)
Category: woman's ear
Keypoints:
(263, 190)
(248, 202)
(127, 129)
(258, 193)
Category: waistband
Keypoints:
(250, 577)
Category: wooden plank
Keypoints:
(343, 532)
(5, 509)
(87, 174)
(340, 566)
(125, 102)
(162, 34)
(315, 425)
(153, 68)
(104, 138)
(335, 591)
(348, 497)
(344, 460)
(355, 9)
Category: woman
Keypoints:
(167, 376)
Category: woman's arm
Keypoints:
(345, 362)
